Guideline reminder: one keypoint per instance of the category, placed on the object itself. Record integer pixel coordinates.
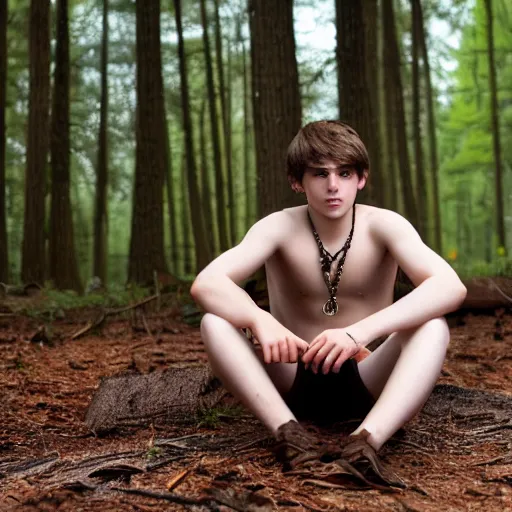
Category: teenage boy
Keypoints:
(330, 267)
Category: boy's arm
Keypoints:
(438, 288)
(216, 289)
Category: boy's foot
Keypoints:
(295, 445)
(358, 455)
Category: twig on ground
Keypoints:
(146, 326)
(109, 312)
(501, 459)
(167, 496)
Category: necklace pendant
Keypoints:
(330, 307)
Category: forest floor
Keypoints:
(456, 455)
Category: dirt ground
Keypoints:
(451, 460)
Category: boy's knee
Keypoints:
(210, 323)
(438, 330)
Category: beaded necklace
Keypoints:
(330, 308)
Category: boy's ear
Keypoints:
(296, 186)
(362, 181)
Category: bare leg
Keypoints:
(234, 361)
(402, 373)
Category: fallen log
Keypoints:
(177, 393)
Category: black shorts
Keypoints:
(327, 398)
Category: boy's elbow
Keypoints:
(460, 294)
(196, 288)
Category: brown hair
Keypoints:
(321, 140)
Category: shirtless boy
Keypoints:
(310, 355)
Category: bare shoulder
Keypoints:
(262, 240)
(277, 225)
(387, 225)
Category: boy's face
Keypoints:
(330, 188)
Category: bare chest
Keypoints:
(296, 269)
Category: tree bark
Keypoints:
(33, 246)
(373, 84)
(4, 260)
(203, 253)
(421, 182)
(355, 102)
(220, 189)
(206, 195)
(100, 213)
(226, 120)
(276, 99)
(63, 268)
(249, 199)
(498, 165)
(431, 120)
(147, 239)
(171, 210)
(392, 65)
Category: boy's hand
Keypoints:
(279, 345)
(329, 350)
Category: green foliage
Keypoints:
(52, 304)
(153, 453)
(211, 418)
(466, 144)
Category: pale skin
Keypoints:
(400, 374)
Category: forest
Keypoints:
(141, 139)
(92, 186)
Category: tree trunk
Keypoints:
(373, 81)
(276, 99)
(206, 195)
(216, 144)
(233, 176)
(203, 253)
(63, 268)
(100, 214)
(4, 265)
(171, 210)
(392, 65)
(434, 163)
(355, 102)
(249, 199)
(393, 185)
(188, 239)
(421, 182)
(226, 128)
(498, 166)
(33, 247)
(147, 239)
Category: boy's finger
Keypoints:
(292, 350)
(275, 353)
(339, 362)
(312, 351)
(283, 351)
(330, 359)
(267, 354)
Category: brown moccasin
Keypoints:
(358, 455)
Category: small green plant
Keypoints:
(211, 418)
(153, 452)
(19, 364)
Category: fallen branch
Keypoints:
(114, 311)
(501, 459)
(167, 496)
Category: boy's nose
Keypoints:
(332, 182)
